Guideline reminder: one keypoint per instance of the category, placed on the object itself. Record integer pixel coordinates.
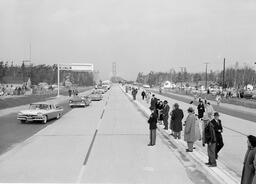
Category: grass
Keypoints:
(250, 103)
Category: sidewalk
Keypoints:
(220, 174)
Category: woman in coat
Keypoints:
(176, 120)
(248, 173)
(189, 134)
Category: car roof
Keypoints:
(40, 104)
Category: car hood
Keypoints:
(33, 112)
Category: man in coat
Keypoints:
(166, 110)
(216, 122)
(189, 132)
(152, 126)
(143, 94)
(176, 120)
(248, 173)
(153, 102)
(200, 109)
(210, 140)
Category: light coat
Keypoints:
(189, 133)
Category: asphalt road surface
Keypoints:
(13, 131)
(105, 143)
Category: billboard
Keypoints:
(76, 66)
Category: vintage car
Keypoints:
(95, 97)
(98, 91)
(80, 101)
(40, 112)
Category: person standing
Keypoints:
(143, 94)
(218, 132)
(176, 120)
(134, 93)
(248, 173)
(152, 127)
(166, 110)
(148, 94)
(210, 140)
(189, 133)
(209, 110)
(200, 109)
(153, 102)
(254, 166)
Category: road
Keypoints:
(12, 132)
(105, 143)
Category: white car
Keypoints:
(40, 112)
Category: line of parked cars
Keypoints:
(43, 112)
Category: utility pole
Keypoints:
(224, 63)
(182, 71)
(206, 64)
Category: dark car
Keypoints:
(78, 101)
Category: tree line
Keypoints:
(233, 77)
(10, 73)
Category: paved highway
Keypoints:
(104, 143)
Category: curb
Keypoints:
(220, 174)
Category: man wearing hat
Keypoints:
(152, 126)
(210, 140)
(166, 110)
(216, 122)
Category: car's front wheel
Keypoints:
(45, 119)
(23, 121)
(58, 116)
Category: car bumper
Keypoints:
(77, 104)
(29, 118)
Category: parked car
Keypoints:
(40, 112)
(79, 101)
(96, 96)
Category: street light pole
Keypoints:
(206, 64)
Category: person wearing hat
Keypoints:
(218, 132)
(189, 132)
(248, 174)
(200, 109)
(176, 121)
(152, 126)
(165, 113)
(210, 140)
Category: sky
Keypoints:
(139, 35)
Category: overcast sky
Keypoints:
(139, 35)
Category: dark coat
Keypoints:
(248, 168)
(153, 120)
(209, 133)
(201, 110)
(218, 130)
(176, 120)
(166, 110)
(153, 103)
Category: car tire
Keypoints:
(45, 119)
(58, 116)
(23, 121)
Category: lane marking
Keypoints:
(90, 147)
(102, 113)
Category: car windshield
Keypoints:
(38, 106)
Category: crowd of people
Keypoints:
(209, 133)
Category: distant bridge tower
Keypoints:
(114, 69)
